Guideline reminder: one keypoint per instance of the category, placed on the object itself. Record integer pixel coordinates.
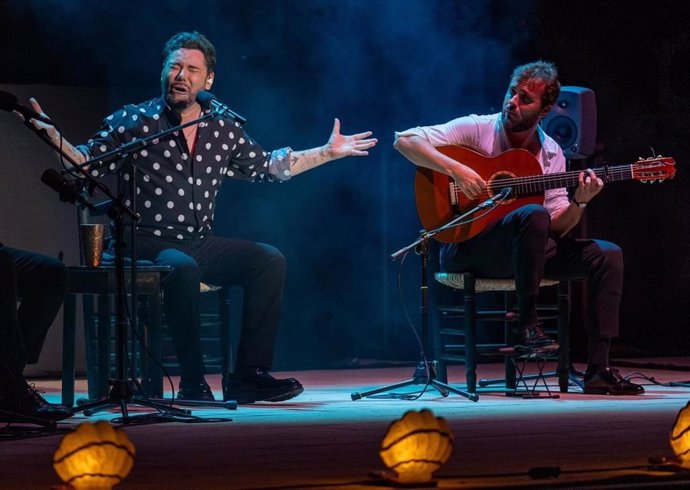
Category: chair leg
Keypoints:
(151, 372)
(225, 334)
(435, 339)
(509, 337)
(470, 333)
(98, 377)
(68, 349)
(563, 304)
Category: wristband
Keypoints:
(579, 204)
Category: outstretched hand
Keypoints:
(341, 145)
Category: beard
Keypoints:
(179, 102)
(518, 125)
(175, 99)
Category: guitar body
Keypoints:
(439, 200)
(434, 195)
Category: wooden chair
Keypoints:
(457, 343)
(99, 284)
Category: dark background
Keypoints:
(291, 66)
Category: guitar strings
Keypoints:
(565, 179)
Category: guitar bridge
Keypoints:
(453, 193)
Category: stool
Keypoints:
(517, 361)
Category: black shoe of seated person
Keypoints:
(199, 391)
(249, 385)
(20, 402)
(610, 382)
(535, 338)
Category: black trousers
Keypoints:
(519, 246)
(39, 283)
(258, 268)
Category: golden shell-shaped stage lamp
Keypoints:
(680, 436)
(416, 446)
(94, 456)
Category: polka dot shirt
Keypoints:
(176, 189)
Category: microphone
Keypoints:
(8, 102)
(497, 198)
(69, 190)
(208, 101)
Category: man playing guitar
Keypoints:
(529, 242)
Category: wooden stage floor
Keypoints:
(323, 439)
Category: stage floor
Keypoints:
(323, 439)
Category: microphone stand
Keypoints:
(425, 372)
(121, 391)
(103, 160)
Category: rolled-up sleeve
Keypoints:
(462, 131)
(555, 200)
(279, 164)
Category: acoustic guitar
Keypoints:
(439, 199)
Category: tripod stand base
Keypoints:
(227, 404)
(425, 374)
(120, 396)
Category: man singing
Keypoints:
(177, 181)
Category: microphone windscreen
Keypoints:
(204, 99)
(53, 179)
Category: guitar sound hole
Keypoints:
(496, 184)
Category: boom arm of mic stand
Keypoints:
(458, 220)
(132, 146)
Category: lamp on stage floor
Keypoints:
(415, 446)
(680, 436)
(94, 456)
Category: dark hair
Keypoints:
(192, 40)
(540, 70)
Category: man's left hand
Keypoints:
(589, 186)
(341, 145)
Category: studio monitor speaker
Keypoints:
(572, 122)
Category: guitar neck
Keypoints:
(540, 183)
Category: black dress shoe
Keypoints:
(609, 382)
(20, 401)
(249, 386)
(196, 391)
(535, 338)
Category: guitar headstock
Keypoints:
(649, 170)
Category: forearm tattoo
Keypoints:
(301, 161)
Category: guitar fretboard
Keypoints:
(539, 183)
